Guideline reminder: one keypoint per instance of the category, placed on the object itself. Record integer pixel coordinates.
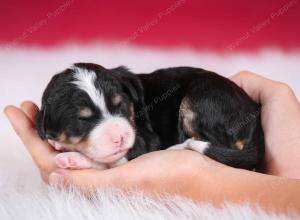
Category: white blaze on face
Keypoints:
(113, 136)
(85, 80)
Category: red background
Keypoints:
(200, 24)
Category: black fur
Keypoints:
(225, 114)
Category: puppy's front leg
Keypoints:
(191, 144)
(182, 146)
(75, 160)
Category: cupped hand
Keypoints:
(280, 115)
(175, 171)
(153, 171)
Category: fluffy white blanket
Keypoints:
(24, 74)
(49, 203)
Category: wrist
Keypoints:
(175, 172)
(196, 179)
(283, 162)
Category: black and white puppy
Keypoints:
(98, 116)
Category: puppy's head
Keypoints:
(89, 109)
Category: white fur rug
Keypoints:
(49, 203)
(24, 74)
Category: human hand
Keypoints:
(185, 173)
(154, 171)
(280, 115)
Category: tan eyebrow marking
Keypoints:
(117, 99)
(85, 112)
(85, 80)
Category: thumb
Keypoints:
(87, 179)
(257, 87)
(30, 109)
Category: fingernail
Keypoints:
(56, 178)
(5, 110)
(7, 107)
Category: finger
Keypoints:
(30, 109)
(257, 87)
(21, 123)
(40, 150)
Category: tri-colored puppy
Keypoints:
(104, 117)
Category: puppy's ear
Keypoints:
(41, 123)
(130, 89)
(146, 137)
(52, 92)
(131, 85)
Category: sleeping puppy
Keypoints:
(100, 117)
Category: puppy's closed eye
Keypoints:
(117, 99)
(85, 112)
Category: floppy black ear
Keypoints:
(47, 99)
(146, 139)
(131, 85)
(40, 123)
(131, 90)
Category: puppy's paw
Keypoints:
(191, 144)
(181, 146)
(199, 146)
(72, 160)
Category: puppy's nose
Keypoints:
(117, 139)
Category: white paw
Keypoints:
(199, 146)
(181, 146)
(72, 160)
(177, 147)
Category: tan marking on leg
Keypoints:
(239, 145)
(188, 116)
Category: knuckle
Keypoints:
(245, 74)
(284, 89)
